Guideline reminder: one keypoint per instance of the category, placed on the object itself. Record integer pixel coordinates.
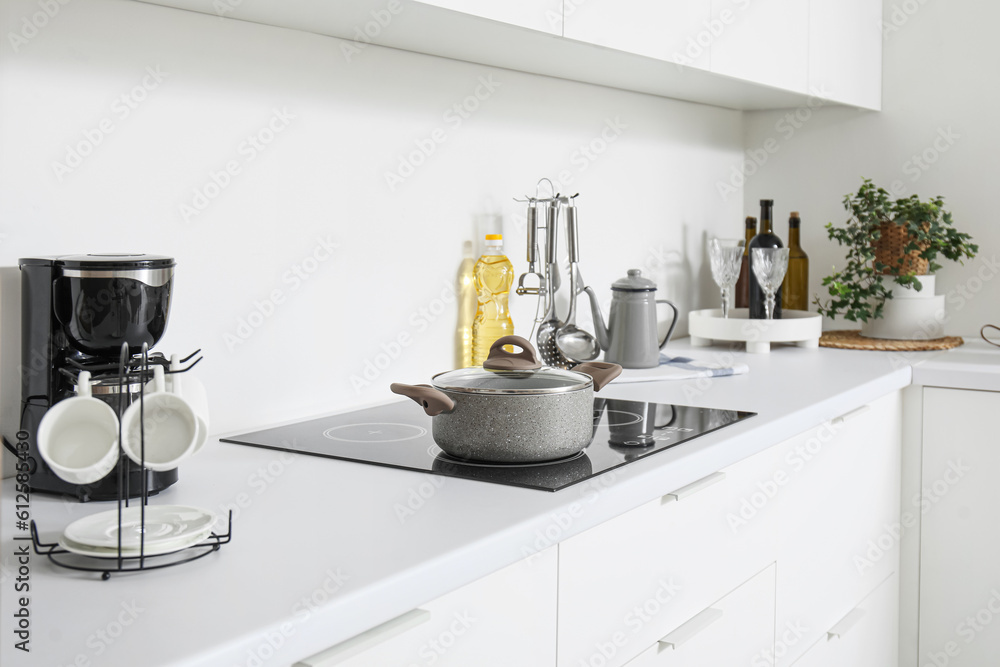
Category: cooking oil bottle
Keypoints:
(493, 276)
(467, 306)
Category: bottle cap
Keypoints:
(794, 220)
(751, 222)
(494, 237)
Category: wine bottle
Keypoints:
(765, 239)
(795, 287)
(743, 284)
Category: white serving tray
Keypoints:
(799, 327)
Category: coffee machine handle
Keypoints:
(673, 322)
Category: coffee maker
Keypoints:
(76, 311)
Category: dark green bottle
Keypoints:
(765, 239)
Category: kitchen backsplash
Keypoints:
(316, 199)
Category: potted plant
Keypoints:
(890, 245)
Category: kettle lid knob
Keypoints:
(634, 283)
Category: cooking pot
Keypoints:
(512, 409)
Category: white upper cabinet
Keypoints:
(677, 31)
(544, 15)
(764, 41)
(738, 54)
(845, 51)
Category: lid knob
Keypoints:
(500, 359)
(633, 282)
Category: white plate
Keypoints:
(165, 525)
(155, 550)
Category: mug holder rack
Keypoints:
(129, 368)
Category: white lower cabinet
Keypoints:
(865, 637)
(625, 584)
(823, 505)
(735, 630)
(841, 523)
(507, 618)
(959, 511)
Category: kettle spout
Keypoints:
(599, 327)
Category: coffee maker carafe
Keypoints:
(76, 311)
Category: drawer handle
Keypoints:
(845, 624)
(693, 488)
(349, 648)
(848, 416)
(689, 629)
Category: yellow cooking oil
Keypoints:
(467, 307)
(493, 276)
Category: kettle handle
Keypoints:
(673, 322)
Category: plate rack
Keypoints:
(127, 561)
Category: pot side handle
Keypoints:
(601, 372)
(433, 402)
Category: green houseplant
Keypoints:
(888, 241)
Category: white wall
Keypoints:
(645, 201)
(936, 135)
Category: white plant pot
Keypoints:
(908, 319)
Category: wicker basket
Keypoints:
(889, 250)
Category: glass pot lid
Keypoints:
(478, 380)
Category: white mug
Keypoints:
(193, 391)
(170, 427)
(78, 436)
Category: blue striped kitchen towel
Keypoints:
(680, 368)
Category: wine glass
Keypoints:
(769, 265)
(725, 256)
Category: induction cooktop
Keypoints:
(398, 435)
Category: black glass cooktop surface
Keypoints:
(398, 435)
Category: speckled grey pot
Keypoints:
(516, 428)
(512, 409)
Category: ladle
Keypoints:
(574, 343)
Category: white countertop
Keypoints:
(975, 365)
(311, 528)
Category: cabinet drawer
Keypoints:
(840, 533)
(626, 583)
(507, 618)
(865, 637)
(736, 630)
